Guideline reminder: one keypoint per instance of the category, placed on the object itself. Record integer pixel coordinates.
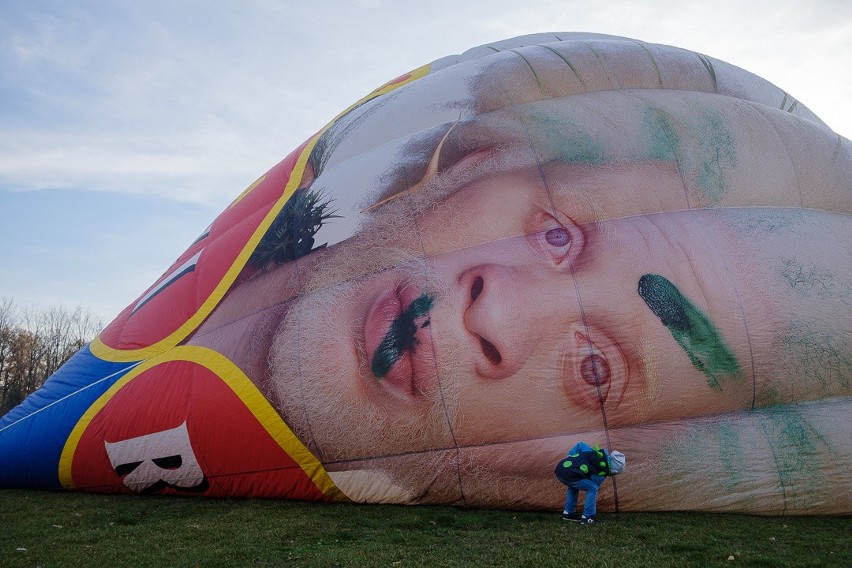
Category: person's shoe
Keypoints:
(571, 517)
(589, 520)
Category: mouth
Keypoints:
(398, 343)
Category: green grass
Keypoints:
(70, 529)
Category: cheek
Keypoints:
(471, 219)
(529, 404)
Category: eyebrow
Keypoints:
(432, 169)
(445, 184)
(438, 154)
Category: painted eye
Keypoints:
(594, 372)
(558, 237)
(557, 244)
(554, 241)
(591, 369)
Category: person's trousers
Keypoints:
(573, 492)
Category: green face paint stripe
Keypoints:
(796, 447)
(718, 159)
(664, 143)
(690, 327)
(731, 452)
(561, 139)
(400, 336)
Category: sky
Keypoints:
(127, 126)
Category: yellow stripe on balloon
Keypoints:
(103, 351)
(241, 385)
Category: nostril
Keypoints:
(490, 352)
(476, 288)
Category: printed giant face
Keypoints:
(526, 326)
(540, 241)
(524, 278)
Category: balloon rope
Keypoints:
(585, 322)
(432, 170)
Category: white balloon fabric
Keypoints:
(548, 239)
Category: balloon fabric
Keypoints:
(543, 240)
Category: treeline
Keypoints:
(34, 343)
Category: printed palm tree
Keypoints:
(291, 234)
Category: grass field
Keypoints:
(69, 529)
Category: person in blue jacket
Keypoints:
(584, 469)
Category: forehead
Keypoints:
(512, 75)
(707, 151)
(595, 129)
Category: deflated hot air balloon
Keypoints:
(555, 238)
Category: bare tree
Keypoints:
(63, 333)
(34, 344)
(9, 325)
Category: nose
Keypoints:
(507, 314)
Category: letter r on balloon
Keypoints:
(154, 461)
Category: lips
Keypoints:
(398, 343)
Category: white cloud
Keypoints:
(210, 95)
(190, 101)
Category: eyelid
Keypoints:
(588, 358)
(587, 351)
(594, 369)
(559, 256)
